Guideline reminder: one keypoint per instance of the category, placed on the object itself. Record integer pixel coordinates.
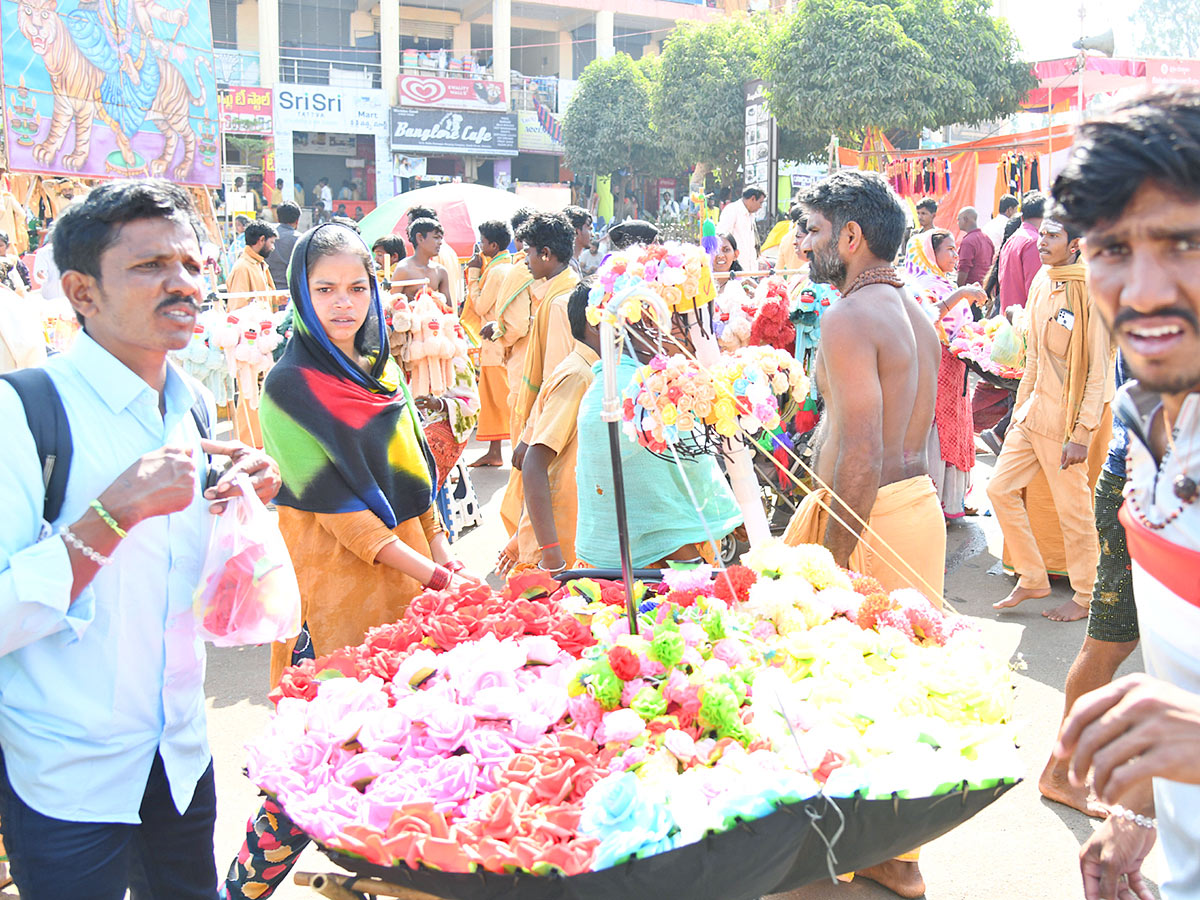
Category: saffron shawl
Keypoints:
(345, 439)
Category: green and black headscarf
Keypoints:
(345, 439)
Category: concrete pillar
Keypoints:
(389, 50)
(462, 39)
(566, 56)
(605, 34)
(268, 42)
(502, 43)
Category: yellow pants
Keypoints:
(905, 546)
(1022, 458)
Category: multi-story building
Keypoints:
(431, 88)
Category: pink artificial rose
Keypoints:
(631, 690)
(620, 725)
(762, 630)
(681, 745)
(693, 635)
(731, 651)
(540, 650)
(447, 727)
(452, 781)
(363, 768)
(586, 714)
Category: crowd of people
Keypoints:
(397, 354)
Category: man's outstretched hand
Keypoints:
(1130, 731)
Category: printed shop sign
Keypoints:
(246, 110)
(429, 132)
(452, 93)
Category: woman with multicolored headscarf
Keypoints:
(356, 508)
(929, 263)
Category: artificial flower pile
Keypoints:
(679, 273)
(976, 341)
(772, 324)
(531, 731)
(674, 401)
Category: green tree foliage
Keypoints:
(1169, 27)
(697, 100)
(607, 127)
(843, 66)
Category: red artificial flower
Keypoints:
(572, 635)
(394, 636)
(503, 627)
(538, 615)
(529, 585)
(297, 681)
(830, 762)
(624, 663)
(734, 583)
(447, 631)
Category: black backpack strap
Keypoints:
(51, 432)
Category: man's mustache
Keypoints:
(180, 300)
(1127, 315)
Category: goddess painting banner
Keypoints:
(110, 88)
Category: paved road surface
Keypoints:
(1021, 847)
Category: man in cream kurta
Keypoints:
(1040, 436)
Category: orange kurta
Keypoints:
(494, 389)
(553, 425)
(343, 591)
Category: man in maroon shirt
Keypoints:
(975, 249)
(1019, 259)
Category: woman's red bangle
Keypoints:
(439, 580)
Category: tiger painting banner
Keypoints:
(116, 89)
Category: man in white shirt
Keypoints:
(106, 778)
(737, 219)
(1009, 207)
(325, 194)
(1132, 184)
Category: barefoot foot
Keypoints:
(1066, 612)
(1055, 786)
(900, 877)
(1019, 595)
(488, 460)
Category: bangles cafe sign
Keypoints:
(430, 132)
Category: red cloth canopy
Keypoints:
(1058, 80)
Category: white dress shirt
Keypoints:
(91, 690)
(739, 221)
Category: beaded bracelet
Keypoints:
(98, 558)
(108, 519)
(1130, 816)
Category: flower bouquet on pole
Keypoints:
(764, 727)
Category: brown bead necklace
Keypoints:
(876, 275)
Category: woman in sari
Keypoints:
(356, 507)
(930, 263)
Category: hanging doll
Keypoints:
(431, 351)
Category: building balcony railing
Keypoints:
(525, 88)
(357, 68)
(236, 67)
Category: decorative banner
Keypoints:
(331, 110)
(246, 110)
(761, 162)
(533, 136)
(502, 174)
(115, 62)
(429, 132)
(451, 93)
(1171, 72)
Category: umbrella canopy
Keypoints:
(798, 844)
(460, 208)
(1100, 75)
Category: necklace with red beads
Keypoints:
(1183, 487)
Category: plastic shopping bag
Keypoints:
(248, 592)
(1008, 347)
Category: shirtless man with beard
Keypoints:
(877, 369)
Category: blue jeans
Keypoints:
(168, 856)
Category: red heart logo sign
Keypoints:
(423, 91)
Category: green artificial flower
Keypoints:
(719, 707)
(714, 626)
(604, 684)
(649, 703)
(667, 647)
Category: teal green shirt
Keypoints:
(660, 513)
